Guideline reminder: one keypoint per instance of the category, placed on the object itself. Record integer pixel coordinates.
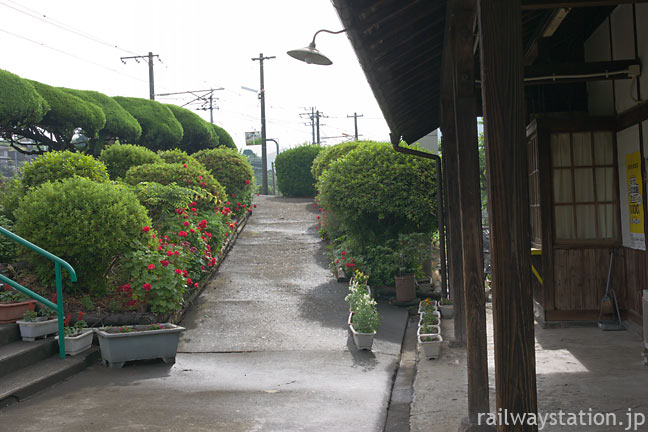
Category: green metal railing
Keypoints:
(58, 262)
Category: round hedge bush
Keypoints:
(186, 175)
(179, 156)
(120, 157)
(293, 166)
(330, 154)
(379, 193)
(85, 223)
(59, 165)
(231, 169)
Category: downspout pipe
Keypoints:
(395, 141)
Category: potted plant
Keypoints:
(409, 251)
(139, 342)
(358, 288)
(427, 305)
(77, 337)
(430, 345)
(37, 324)
(446, 307)
(13, 305)
(430, 318)
(364, 323)
(428, 329)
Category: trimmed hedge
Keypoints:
(231, 169)
(197, 133)
(179, 156)
(59, 165)
(120, 157)
(224, 139)
(160, 129)
(20, 104)
(293, 166)
(330, 154)
(86, 223)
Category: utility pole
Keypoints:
(313, 123)
(314, 117)
(206, 98)
(149, 59)
(264, 154)
(355, 123)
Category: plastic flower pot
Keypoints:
(141, 344)
(363, 341)
(12, 312)
(435, 330)
(422, 317)
(430, 345)
(32, 330)
(78, 343)
(447, 311)
(421, 308)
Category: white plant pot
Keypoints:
(437, 314)
(31, 330)
(447, 311)
(434, 306)
(436, 330)
(350, 318)
(75, 344)
(431, 349)
(363, 341)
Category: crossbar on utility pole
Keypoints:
(264, 154)
(149, 59)
(205, 98)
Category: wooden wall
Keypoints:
(635, 281)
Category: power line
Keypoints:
(70, 55)
(42, 17)
(208, 97)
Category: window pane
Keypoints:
(560, 150)
(607, 221)
(605, 184)
(564, 221)
(603, 148)
(582, 149)
(562, 183)
(586, 221)
(584, 185)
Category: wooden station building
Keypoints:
(564, 97)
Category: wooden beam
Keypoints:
(582, 68)
(470, 205)
(508, 208)
(632, 116)
(553, 4)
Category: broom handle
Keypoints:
(607, 285)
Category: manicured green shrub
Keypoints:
(11, 192)
(120, 157)
(179, 156)
(88, 224)
(20, 104)
(232, 170)
(162, 201)
(190, 176)
(7, 246)
(330, 154)
(224, 139)
(160, 129)
(293, 166)
(197, 133)
(379, 194)
(59, 165)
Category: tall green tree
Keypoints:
(160, 129)
(224, 139)
(197, 133)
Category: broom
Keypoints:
(607, 307)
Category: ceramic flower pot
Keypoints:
(142, 344)
(78, 343)
(363, 341)
(31, 330)
(405, 288)
(430, 345)
(12, 312)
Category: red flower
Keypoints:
(176, 253)
(184, 165)
(343, 253)
(337, 261)
(226, 234)
(146, 229)
(178, 271)
(203, 184)
(189, 282)
(254, 205)
(196, 284)
(209, 235)
(169, 253)
(249, 210)
(233, 196)
(66, 321)
(318, 217)
(182, 234)
(54, 298)
(151, 267)
(164, 263)
(228, 203)
(147, 287)
(191, 230)
(80, 316)
(193, 209)
(185, 273)
(238, 204)
(257, 193)
(199, 177)
(247, 181)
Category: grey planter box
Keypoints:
(118, 348)
(79, 343)
(31, 330)
(363, 341)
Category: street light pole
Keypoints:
(264, 155)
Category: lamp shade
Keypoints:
(310, 55)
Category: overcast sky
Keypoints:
(202, 44)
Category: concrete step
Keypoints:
(26, 381)
(18, 355)
(9, 333)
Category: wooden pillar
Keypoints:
(500, 29)
(470, 202)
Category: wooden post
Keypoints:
(470, 200)
(500, 29)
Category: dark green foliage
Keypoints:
(330, 154)
(293, 166)
(59, 165)
(198, 134)
(11, 192)
(179, 156)
(120, 157)
(160, 129)
(20, 104)
(189, 176)
(161, 201)
(379, 194)
(231, 169)
(120, 124)
(86, 223)
(7, 246)
(67, 113)
(224, 139)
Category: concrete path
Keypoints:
(266, 349)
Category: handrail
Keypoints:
(58, 262)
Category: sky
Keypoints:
(201, 45)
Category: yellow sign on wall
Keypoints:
(635, 198)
